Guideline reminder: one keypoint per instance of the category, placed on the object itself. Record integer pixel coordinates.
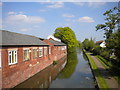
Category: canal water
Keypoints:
(73, 72)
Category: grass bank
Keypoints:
(99, 78)
(108, 65)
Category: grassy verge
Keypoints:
(102, 62)
(107, 66)
(99, 78)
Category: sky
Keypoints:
(42, 18)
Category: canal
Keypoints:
(73, 72)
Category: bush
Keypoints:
(105, 54)
(96, 50)
(54, 62)
(88, 45)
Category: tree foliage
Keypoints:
(112, 31)
(88, 44)
(67, 36)
(70, 66)
(111, 22)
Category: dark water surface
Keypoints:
(74, 72)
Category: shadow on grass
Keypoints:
(104, 72)
(108, 72)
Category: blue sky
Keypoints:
(42, 18)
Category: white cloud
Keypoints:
(21, 22)
(79, 3)
(11, 13)
(90, 4)
(24, 19)
(96, 4)
(24, 29)
(86, 19)
(68, 15)
(56, 5)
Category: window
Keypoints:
(40, 52)
(34, 53)
(45, 51)
(49, 50)
(26, 55)
(12, 57)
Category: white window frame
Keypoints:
(29, 54)
(40, 51)
(10, 54)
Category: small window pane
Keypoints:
(40, 52)
(34, 53)
(12, 56)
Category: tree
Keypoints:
(88, 44)
(112, 31)
(67, 36)
(69, 69)
(111, 23)
(96, 50)
(79, 44)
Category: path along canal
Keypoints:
(73, 72)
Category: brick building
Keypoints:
(58, 49)
(22, 56)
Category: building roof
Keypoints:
(16, 39)
(52, 37)
(57, 43)
(99, 42)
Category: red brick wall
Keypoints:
(17, 73)
(56, 52)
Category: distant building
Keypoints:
(52, 37)
(22, 56)
(101, 43)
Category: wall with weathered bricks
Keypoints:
(17, 73)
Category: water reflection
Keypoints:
(74, 72)
(70, 66)
(44, 78)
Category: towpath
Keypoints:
(111, 82)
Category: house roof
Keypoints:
(99, 42)
(54, 38)
(57, 43)
(16, 39)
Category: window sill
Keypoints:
(26, 60)
(12, 63)
(40, 56)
